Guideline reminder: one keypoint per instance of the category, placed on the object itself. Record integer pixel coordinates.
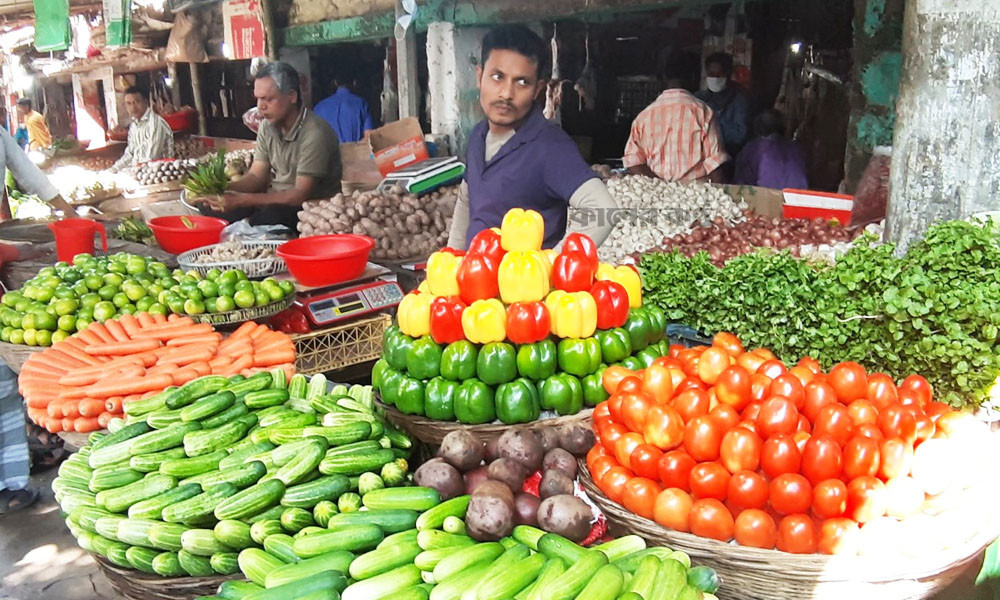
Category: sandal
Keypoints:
(46, 449)
(14, 500)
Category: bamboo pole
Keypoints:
(199, 101)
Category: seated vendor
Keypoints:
(149, 136)
(297, 157)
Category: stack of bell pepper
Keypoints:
(507, 330)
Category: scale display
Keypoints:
(339, 305)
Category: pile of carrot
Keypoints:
(82, 382)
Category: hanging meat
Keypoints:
(586, 85)
(553, 92)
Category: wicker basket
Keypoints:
(257, 268)
(16, 354)
(73, 441)
(340, 346)
(241, 315)
(136, 585)
(756, 574)
(432, 432)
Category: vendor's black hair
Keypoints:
(769, 122)
(24, 102)
(723, 60)
(285, 77)
(139, 91)
(520, 39)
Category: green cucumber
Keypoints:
(342, 434)
(432, 539)
(241, 476)
(237, 589)
(162, 419)
(117, 553)
(261, 530)
(383, 585)
(202, 542)
(324, 509)
(141, 558)
(621, 547)
(163, 439)
(645, 577)
(528, 535)
(237, 410)
(352, 538)
(324, 582)
(202, 442)
(166, 564)
(500, 584)
(303, 464)
(605, 584)
(135, 532)
(385, 559)
(670, 580)
(465, 557)
(113, 476)
(148, 463)
(356, 465)
(225, 563)
(138, 408)
(152, 508)
(568, 585)
(194, 390)
(279, 545)
(554, 567)
(388, 520)
(251, 501)
(208, 406)
(403, 537)
(413, 498)
(296, 519)
(194, 565)
(265, 398)
(125, 433)
(434, 517)
(254, 383)
(554, 545)
(167, 536)
(308, 495)
(237, 456)
(630, 563)
(271, 514)
(200, 506)
(189, 467)
(453, 587)
(256, 564)
(232, 533)
(151, 486)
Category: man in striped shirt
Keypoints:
(149, 136)
(676, 138)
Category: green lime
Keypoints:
(177, 274)
(128, 309)
(45, 294)
(176, 305)
(28, 321)
(80, 289)
(224, 304)
(194, 275)
(81, 260)
(17, 336)
(61, 265)
(135, 265)
(86, 313)
(89, 300)
(245, 298)
(194, 294)
(16, 320)
(211, 305)
(66, 306)
(46, 271)
(82, 323)
(287, 286)
(229, 277)
(5, 334)
(194, 307)
(227, 289)
(134, 291)
(104, 311)
(209, 288)
(22, 305)
(143, 304)
(243, 284)
(71, 275)
(157, 309)
(64, 292)
(58, 336)
(114, 279)
(143, 277)
(154, 289)
(240, 274)
(43, 338)
(29, 337)
(51, 310)
(213, 274)
(67, 323)
(45, 321)
(12, 298)
(120, 300)
(262, 298)
(117, 267)
(274, 291)
(107, 292)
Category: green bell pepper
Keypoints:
(616, 344)
(517, 402)
(458, 361)
(562, 393)
(496, 363)
(378, 372)
(648, 355)
(593, 388)
(537, 361)
(410, 396)
(658, 321)
(474, 403)
(423, 361)
(395, 348)
(579, 357)
(639, 327)
(389, 388)
(664, 347)
(439, 399)
(632, 364)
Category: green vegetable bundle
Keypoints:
(209, 178)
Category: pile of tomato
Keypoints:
(729, 444)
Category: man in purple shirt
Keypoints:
(771, 160)
(518, 159)
(345, 111)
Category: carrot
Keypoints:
(175, 322)
(173, 317)
(168, 368)
(71, 409)
(241, 362)
(185, 356)
(53, 425)
(208, 338)
(276, 357)
(57, 357)
(159, 319)
(38, 401)
(93, 374)
(201, 367)
(67, 423)
(71, 394)
(43, 370)
(35, 414)
(243, 330)
(184, 375)
(130, 324)
(149, 394)
(131, 386)
(179, 331)
(145, 320)
(101, 331)
(104, 418)
(148, 359)
(220, 362)
(114, 404)
(259, 333)
(81, 355)
(89, 337)
(123, 348)
(116, 330)
(86, 425)
(237, 346)
(91, 407)
(54, 409)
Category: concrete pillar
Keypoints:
(407, 81)
(946, 149)
(452, 56)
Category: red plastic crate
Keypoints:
(809, 204)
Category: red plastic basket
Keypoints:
(181, 120)
(326, 259)
(175, 237)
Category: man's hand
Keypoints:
(224, 202)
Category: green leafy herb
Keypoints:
(209, 178)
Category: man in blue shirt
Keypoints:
(518, 159)
(345, 111)
(726, 100)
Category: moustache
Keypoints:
(502, 104)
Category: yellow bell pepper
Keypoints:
(523, 277)
(522, 230)
(424, 288)
(485, 322)
(574, 315)
(414, 314)
(442, 274)
(550, 256)
(627, 277)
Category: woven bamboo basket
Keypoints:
(432, 432)
(136, 585)
(73, 441)
(16, 354)
(756, 574)
(340, 346)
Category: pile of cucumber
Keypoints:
(408, 545)
(197, 474)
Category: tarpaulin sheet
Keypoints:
(52, 25)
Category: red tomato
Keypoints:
(936, 409)
(752, 411)
(780, 455)
(804, 425)
(675, 349)
(881, 390)
(789, 386)
(724, 416)
(760, 385)
(668, 361)
(640, 496)
(610, 433)
(839, 536)
(747, 490)
(635, 408)
(925, 429)
(709, 480)
(689, 383)
(778, 415)
(674, 469)
(834, 420)
(677, 377)
(803, 374)
(861, 457)
(613, 483)
(602, 413)
(645, 461)
(810, 363)
(749, 426)
(764, 353)
(862, 412)
(908, 397)
(865, 499)
(740, 450)
(711, 519)
(896, 459)
(728, 342)
(664, 427)
(790, 493)
(658, 383)
(613, 376)
(850, 381)
(597, 451)
(702, 438)
(817, 395)
(615, 406)
(712, 363)
(797, 535)
(631, 384)
(673, 509)
(871, 432)
(773, 368)
(921, 386)
(750, 361)
(822, 459)
(624, 447)
(829, 499)
(801, 438)
(734, 386)
(950, 423)
(896, 421)
(756, 529)
(601, 466)
(904, 497)
(691, 404)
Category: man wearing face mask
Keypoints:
(727, 101)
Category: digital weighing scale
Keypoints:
(347, 300)
(425, 175)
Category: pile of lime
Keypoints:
(66, 298)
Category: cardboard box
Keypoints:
(397, 145)
(359, 166)
(763, 201)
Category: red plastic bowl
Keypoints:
(174, 237)
(326, 259)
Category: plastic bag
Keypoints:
(872, 195)
(187, 39)
(252, 119)
(243, 230)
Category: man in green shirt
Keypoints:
(297, 156)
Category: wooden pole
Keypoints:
(199, 100)
(175, 88)
(406, 70)
(946, 149)
(270, 32)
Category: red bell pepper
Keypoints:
(446, 319)
(528, 322)
(578, 242)
(487, 243)
(455, 251)
(612, 304)
(571, 272)
(477, 278)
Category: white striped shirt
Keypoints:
(149, 138)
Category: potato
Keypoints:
(489, 518)
(565, 515)
(442, 477)
(491, 451)
(578, 439)
(475, 478)
(548, 436)
(555, 483)
(526, 509)
(462, 450)
(492, 487)
(508, 471)
(523, 446)
(560, 460)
